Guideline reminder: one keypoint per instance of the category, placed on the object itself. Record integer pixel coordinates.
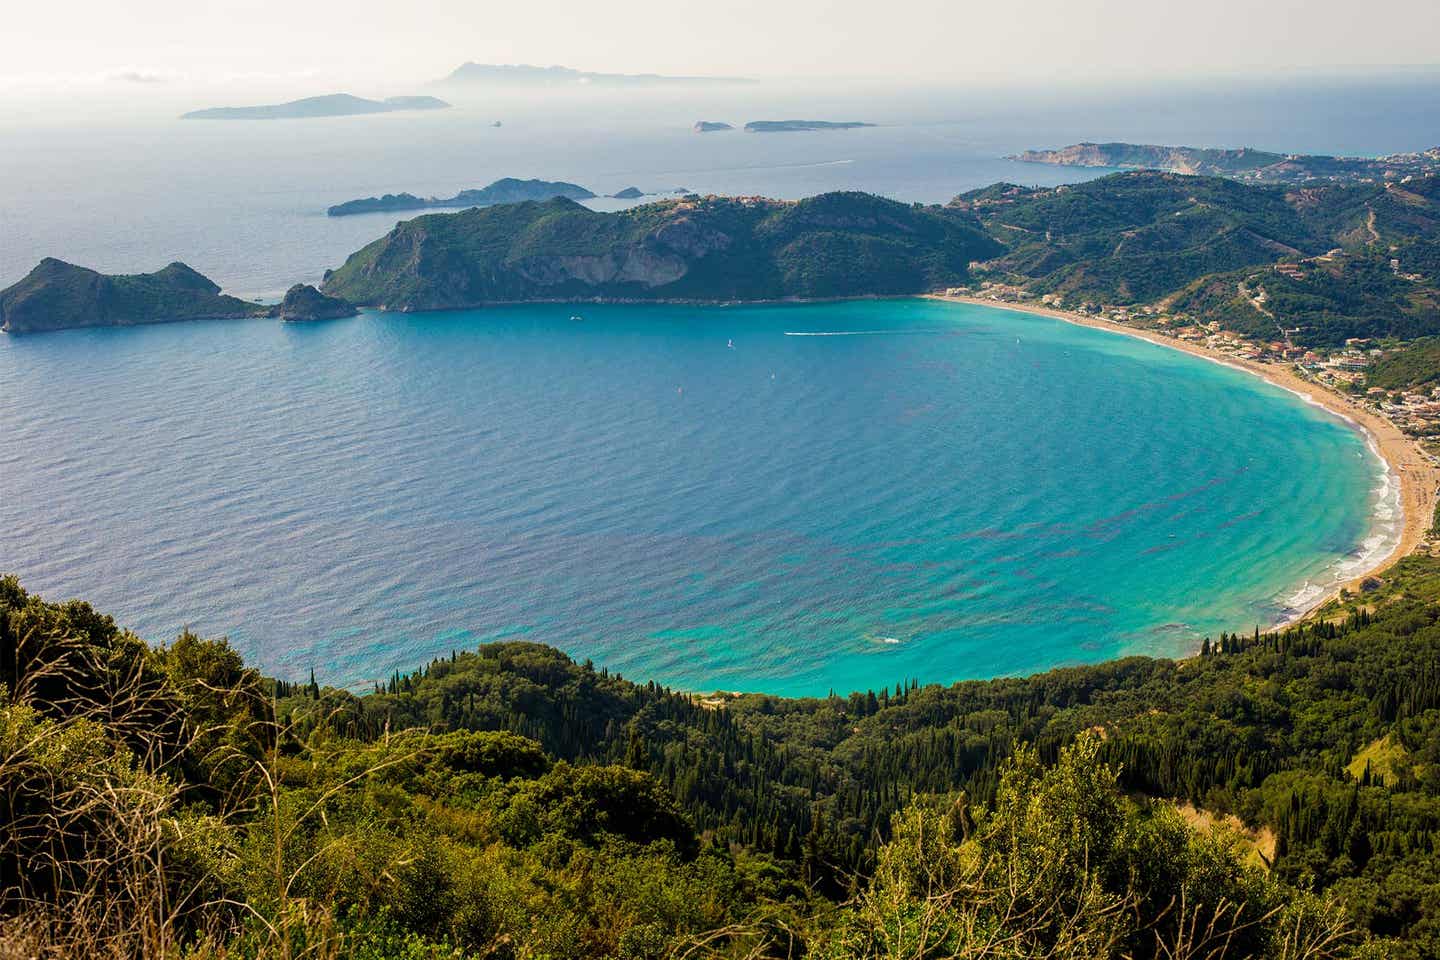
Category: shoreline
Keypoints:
(1417, 476)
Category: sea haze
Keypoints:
(131, 187)
(786, 498)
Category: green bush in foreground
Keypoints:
(169, 802)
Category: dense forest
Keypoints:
(508, 802)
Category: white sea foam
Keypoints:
(1387, 516)
(1383, 538)
(1387, 510)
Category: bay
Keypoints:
(789, 498)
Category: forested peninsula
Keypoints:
(1277, 796)
(696, 248)
(1307, 267)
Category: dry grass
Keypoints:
(92, 834)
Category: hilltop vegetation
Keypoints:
(57, 295)
(1132, 238)
(510, 802)
(1417, 364)
(834, 245)
(1355, 260)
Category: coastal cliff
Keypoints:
(57, 296)
(693, 248)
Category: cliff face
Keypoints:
(690, 248)
(57, 295)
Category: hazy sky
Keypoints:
(305, 43)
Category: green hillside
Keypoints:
(1134, 237)
(511, 802)
(58, 295)
(834, 245)
(1366, 258)
(1362, 260)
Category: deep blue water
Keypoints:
(943, 492)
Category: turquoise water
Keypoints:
(694, 495)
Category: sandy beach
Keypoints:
(1418, 477)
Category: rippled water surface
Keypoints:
(695, 495)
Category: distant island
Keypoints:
(790, 126)
(635, 193)
(710, 126)
(331, 105)
(526, 75)
(58, 296)
(504, 190)
(1245, 163)
(693, 248)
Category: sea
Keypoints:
(793, 499)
